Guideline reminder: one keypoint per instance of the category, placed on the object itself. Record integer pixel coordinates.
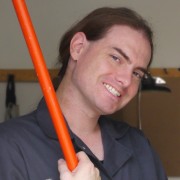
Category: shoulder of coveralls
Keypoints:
(17, 128)
(120, 128)
(129, 136)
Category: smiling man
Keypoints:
(104, 57)
(110, 51)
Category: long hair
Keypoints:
(95, 26)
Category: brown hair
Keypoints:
(96, 24)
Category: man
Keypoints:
(104, 57)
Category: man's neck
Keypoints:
(80, 118)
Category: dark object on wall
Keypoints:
(12, 109)
(154, 83)
(10, 90)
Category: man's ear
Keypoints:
(77, 45)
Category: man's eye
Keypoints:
(115, 58)
(138, 75)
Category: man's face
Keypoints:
(108, 72)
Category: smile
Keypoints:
(112, 90)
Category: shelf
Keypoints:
(165, 72)
(24, 75)
(29, 75)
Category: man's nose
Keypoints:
(124, 78)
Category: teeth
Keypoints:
(112, 90)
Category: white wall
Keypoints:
(52, 17)
(27, 95)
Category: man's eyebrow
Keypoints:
(120, 51)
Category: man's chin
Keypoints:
(109, 111)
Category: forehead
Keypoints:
(133, 42)
(120, 31)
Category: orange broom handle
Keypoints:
(46, 84)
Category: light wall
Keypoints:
(27, 95)
(52, 18)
